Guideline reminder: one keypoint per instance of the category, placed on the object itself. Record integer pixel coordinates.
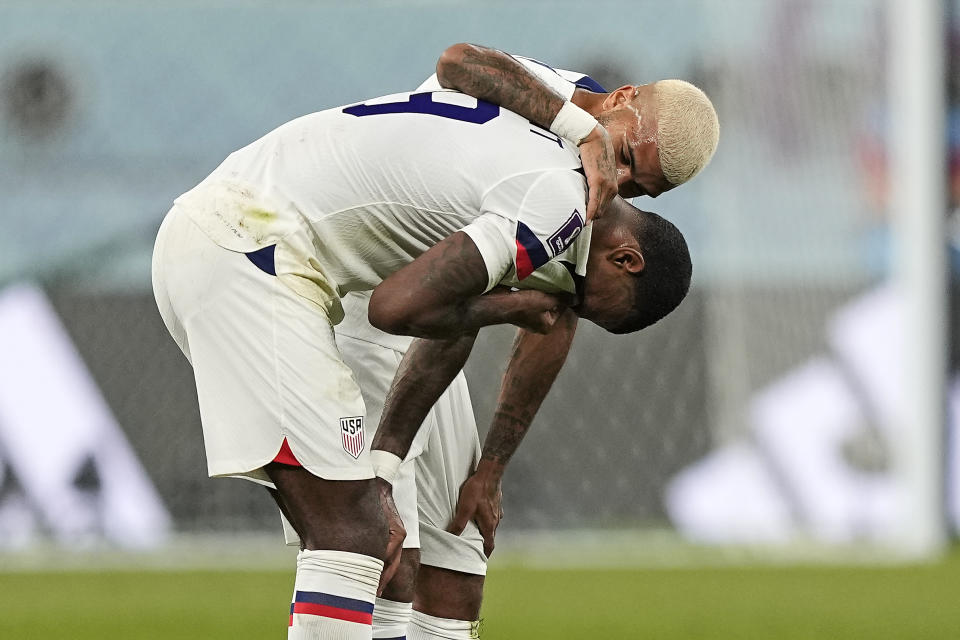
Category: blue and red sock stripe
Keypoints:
(315, 603)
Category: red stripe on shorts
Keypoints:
(285, 456)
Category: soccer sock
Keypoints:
(424, 627)
(334, 596)
(390, 619)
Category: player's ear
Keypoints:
(629, 259)
(620, 96)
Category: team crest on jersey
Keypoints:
(567, 233)
(351, 432)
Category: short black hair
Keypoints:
(665, 279)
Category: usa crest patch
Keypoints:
(351, 432)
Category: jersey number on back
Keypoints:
(423, 103)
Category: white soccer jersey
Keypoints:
(559, 274)
(336, 201)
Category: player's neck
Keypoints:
(590, 102)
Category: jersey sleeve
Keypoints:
(548, 75)
(528, 220)
(430, 84)
(563, 82)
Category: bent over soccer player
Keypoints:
(250, 265)
(681, 127)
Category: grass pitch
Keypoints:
(910, 602)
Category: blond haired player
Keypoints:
(674, 129)
(677, 138)
(431, 198)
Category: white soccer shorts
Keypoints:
(449, 457)
(265, 360)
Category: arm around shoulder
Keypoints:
(450, 61)
(497, 77)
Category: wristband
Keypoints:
(385, 464)
(573, 123)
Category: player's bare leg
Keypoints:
(446, 604)
(343, 535)
(403, 586)
(340, 515)
(394, 607)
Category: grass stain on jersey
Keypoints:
(256, 221)
(260, 215)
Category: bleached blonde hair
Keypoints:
(687, 129)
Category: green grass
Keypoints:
(912, 603)
(769, 603)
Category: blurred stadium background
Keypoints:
(770, 423)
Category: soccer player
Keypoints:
(450, 582)
(432, 198)
(678, 130)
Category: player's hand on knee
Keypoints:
(600, 168)
(480, 500)
(397, 533)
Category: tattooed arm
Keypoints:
(499, 78)
(426, 370)
(437, 296)
(534, 364)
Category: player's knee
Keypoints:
(356, 536)
(347, 516)
(445, 593)
(403, 585)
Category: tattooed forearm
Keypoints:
(496, 77)
(427, 369)
(438, 296)
(534, 364)
(505, 435)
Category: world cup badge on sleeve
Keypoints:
(351, 431)
(567, 234)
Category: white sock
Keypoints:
(334, 595)
(424, 627)
(390, 619)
